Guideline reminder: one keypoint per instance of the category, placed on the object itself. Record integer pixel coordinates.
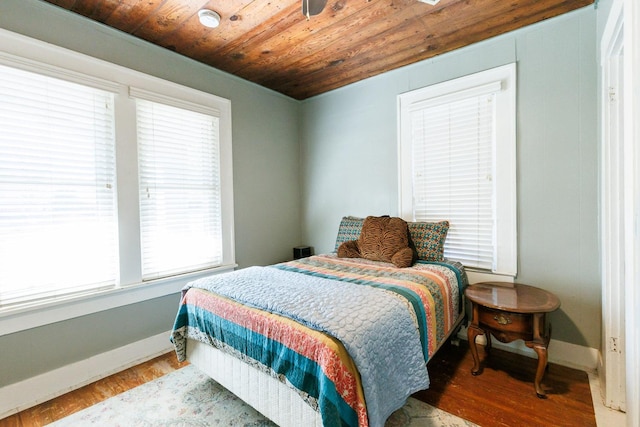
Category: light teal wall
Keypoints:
(288, 194)
(349, 157)
(266, 185)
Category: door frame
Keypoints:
(620, 208)
(612, 212)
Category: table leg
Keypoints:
(472, 332)
(541, 351)
(539, 344)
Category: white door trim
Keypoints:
(612, 212)
(632, 205)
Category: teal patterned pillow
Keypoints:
(428, 238)
(350, 228)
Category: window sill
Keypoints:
(476, 276)
(32, 315)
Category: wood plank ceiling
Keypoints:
(271, 43)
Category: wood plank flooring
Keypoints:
(93, 393)
(502, 395)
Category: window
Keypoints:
(112, 183)
(179, 189)
(57, 187)
(457, 162)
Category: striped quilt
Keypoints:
(302, 331)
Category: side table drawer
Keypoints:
(506, 321)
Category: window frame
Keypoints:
(47, 116)
(141, 97)
(25, 53)
(504, 177)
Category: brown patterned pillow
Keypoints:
(381, 239)
(349, 249)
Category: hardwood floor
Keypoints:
(503, 395)
(93, 393)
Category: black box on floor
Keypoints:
(301, 252)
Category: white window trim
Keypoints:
(505, 156)
(34, 55)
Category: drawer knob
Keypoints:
(502, 319)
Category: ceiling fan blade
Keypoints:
(312, 7)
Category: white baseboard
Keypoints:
(604, 416)
(32, 391)
(560, 352)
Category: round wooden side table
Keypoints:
(511, 311)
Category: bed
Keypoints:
(324, 340)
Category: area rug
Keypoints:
(189, 398)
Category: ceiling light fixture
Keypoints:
(209, 18)
(431, 2)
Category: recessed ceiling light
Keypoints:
(209, 18)
(431, 2)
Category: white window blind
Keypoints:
(452, 157)
(57, 183)
(457, 162)
(180, 200)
